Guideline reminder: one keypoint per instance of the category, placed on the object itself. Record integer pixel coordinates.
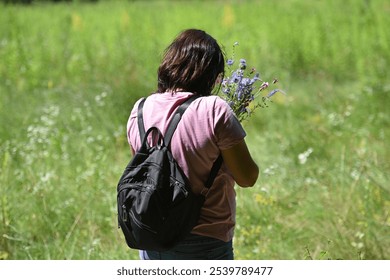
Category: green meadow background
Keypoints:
(70, 73)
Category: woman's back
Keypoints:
(207, 127)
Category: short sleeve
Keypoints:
(132, 128)
(227, 128)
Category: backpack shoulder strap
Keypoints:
(140, 118)
(176, 119)
(171, 129)
(214, 171)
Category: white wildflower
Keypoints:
(302, 157)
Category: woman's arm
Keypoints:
(241, 165)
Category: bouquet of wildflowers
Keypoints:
(242, 88)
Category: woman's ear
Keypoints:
(219, 79)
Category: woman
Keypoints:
(192, 65)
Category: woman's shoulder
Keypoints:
(134, 110)
(216, 102)
(219, 107)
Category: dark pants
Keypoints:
(194, 247)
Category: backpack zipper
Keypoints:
(140, 224)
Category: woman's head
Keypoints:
(192, 62)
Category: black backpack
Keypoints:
(156, 206)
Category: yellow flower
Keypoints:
(228, 16)
(259, 198)
(125, 20)
(77, 22)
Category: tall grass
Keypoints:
(69, 74)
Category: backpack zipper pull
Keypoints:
(124, 213)
(177, 184)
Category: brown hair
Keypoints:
(192, 62)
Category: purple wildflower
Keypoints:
(242, 64)
(246, 81)
(235, 77)
(255, 78)
(272, 93)
(230, 62)
(275, 91)
(240, 88)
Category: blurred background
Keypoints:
(70, 71)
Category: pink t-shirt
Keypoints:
(207, 126)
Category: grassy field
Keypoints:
(69, 74)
